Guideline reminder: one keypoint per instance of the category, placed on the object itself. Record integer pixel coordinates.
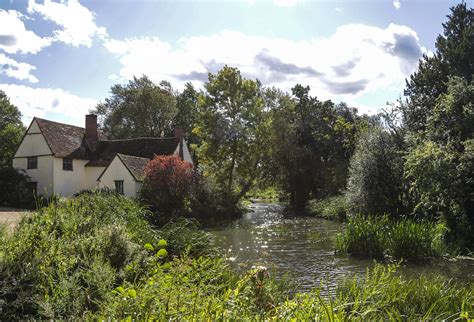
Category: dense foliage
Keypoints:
(332, 208)
(167, 185)
(11, 130)
(140, 108)
(375, 175)
(14, 189)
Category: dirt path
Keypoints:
(11, 216)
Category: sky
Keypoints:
(58, 59)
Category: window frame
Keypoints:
(119, 187)
(30, 163)
(66, 164)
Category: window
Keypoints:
(33, 186)
(32, 163)
(67, 164)
(119, 186)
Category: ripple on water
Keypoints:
(303, 249)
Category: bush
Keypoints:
(167, 184)
(379, 237)
(64, 260)
(14, 189)
(332, 208)
(375, 175)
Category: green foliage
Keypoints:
(139, 109)
(384, 295)
(187, 115)
(379, 237)
(375, 175)
(11, 130)
(14, 189)
(311, 144)
(439, 168)
(332, 208)
(232, 127)
(453, 57)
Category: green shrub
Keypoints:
(379, 236)
(332, 208)
(14, 189)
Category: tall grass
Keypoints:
(379, 236)
(331, 208)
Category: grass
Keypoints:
(96, 257)
(380, 237)
(331, 208)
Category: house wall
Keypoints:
(43, 175)
(92, 174)
(186, 154)
(118, 171)
(34, 144)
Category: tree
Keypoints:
(440, 168)
(375, 175)
(453, 57)
(11, 130)
(233, 129)
(311, 145)
(186, 117)
(138, 109)
(167, 183)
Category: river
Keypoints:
(302, 248)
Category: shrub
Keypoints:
(14, 189)
(167, 184)
(380, 236)
(375, 175)
(332, 208)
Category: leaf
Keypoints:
(162, 243)
(162, 253)
(149, 247)
(132, 293)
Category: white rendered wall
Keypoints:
(186, 153)
(67, 183)
(34, 144)
(43, 175)
(118, 171)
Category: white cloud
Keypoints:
(14, 69)
(14, 38)
(355, 60)
(397, 4)
(285, 3)
(76, 21)
(55, 103)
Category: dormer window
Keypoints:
(32, 163)
(67, 164)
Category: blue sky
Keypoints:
(58, 59)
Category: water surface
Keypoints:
(303, 248)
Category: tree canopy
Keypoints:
(11, 130)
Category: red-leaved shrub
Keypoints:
(168, 182)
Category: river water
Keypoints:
(302, 248)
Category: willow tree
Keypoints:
(232, 128)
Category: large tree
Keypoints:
(311, 144)
(453, 57)
(140, 108)
(11, 130)
(187, 114)
(233, 129)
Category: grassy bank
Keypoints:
(97, 257)
(380, 237)
(331, 208)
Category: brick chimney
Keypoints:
(92, 136)
(179, 135)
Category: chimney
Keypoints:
(179, 135)
(92, 136)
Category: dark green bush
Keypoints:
(14, 189)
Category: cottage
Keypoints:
(63, 159)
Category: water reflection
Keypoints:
(303, 248)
